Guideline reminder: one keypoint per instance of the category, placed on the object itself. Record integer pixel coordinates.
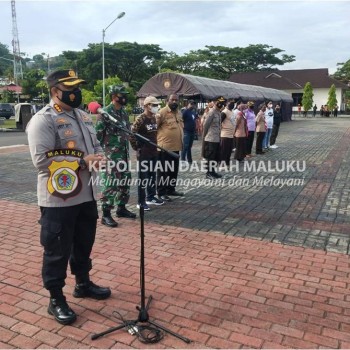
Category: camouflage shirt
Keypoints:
(112, 139)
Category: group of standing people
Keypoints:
(326, 112)
(231, 127)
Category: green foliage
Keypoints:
(5, 62)
(332, 98)
(343, 72)
(33, 83)
(8, 97)
(307, 100)
(219, 62)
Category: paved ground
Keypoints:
(229, 266)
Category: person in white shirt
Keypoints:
(269, 124)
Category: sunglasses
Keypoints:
(154, 105)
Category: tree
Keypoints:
(343, 72)
(133, 63)
(332, 98)
(307, 100)
(31, 83)
(219, 62)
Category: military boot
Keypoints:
(122, 212)
(107, 219)
(85, 288)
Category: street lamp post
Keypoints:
(121, 14)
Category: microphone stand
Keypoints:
(143, 317)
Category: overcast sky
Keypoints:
(316, 32)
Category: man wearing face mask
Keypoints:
(277, 118)
(115, 143)
(189, 118)
(65, 151)
(227, 131)
(211, 137)
(146, 126)
(169, 137)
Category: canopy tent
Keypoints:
(205, 89)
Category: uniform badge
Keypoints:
(64, 181)
(61, 121)
(68, 133)
(71, 144)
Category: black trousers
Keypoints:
(67, 235)
(226, 146)
(241, 148)
(147, 178)
(211, 152)
(259, 140)
(167, 171)
(250, 141)
(274, 134)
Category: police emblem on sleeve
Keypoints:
(64, 181)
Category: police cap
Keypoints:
(66, 77)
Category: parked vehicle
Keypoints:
(24, 112)
(6, 110)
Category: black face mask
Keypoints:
(173, 106)
(219, 105)
(231, 105)
(71, 98)
(122, 100)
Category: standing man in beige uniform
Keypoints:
(65, 151)
(169, 137)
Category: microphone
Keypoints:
(95, 108)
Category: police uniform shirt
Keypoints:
(57, 140)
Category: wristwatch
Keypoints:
(82, 164)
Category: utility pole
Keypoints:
(17, 62)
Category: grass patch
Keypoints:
(8, 124)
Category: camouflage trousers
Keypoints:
(116, 188)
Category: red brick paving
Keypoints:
(220, 291)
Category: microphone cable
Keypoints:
(146, 334)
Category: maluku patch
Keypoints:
(64, 181)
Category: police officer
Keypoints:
(65, 150)
(115, 143)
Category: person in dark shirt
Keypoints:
(277, 118)
(189, 119)
(146, 125)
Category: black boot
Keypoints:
(107, 219)
(59, 308)
(88, 289)
(122, 212)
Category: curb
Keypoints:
(10, 130)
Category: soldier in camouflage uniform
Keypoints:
(115, 143)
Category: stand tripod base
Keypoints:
(132, 326)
